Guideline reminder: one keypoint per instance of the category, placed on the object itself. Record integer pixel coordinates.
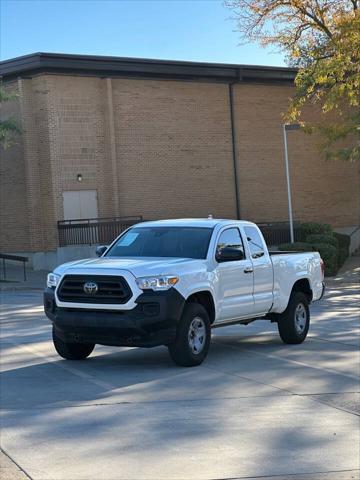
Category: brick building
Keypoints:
(158, 139)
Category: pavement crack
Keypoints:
(146, 402)
(320, 339)
(295, 362)
(284, 476)
(332, 405)
(15, 463)
(234, 374)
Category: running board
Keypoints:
(244, 321)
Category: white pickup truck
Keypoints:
(169, 282)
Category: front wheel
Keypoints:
(293, 324)
(193, 337)
(71, 351)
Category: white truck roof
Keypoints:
(193, 222)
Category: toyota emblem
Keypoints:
(90, 288)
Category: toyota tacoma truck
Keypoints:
(170, 282)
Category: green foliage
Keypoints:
(322, 39)
(295, 247)
(340, 133)
(329, 254)
(344, 246)
(343, 240)
(343, 254)
(307, 229)
(333, 247)
(9, 128)
(5, 96)
(321, 238)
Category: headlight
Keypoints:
(52, 280)
(163, 282)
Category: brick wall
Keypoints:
(34, 95)
(160, 149)
(173, 144)
(14, 228)
(79, 145)
(322, 191)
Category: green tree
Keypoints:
(322, 39)
(9, 128)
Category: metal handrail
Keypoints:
(276, 233)
(93, 231)
(100, 220)
(14, 258)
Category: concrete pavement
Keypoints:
(348, 273)
(255, 408)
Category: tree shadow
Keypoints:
(245, 411)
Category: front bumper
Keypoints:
(152, 322)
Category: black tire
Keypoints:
(194, 322)
(294, 323)
(72, 351)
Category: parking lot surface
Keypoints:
(255, 408)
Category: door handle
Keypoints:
(248, 270)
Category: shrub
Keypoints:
(342, 256)
(333, 247)
(329, 254)
(307, 229)
(344, 245)
(344, 240)
(296, 247)
(321, 238)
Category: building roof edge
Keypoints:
(43, 62)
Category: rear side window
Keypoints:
(230, 238)
(256, 244)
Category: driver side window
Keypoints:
(230, 238)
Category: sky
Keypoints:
(195, 30)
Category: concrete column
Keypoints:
(32, 169)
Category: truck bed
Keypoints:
(289, 266)
(287, 252)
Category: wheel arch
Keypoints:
(303, 285)
(204, 298)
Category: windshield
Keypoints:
(181, 242)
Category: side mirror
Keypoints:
(257, 254)
(100, 250)
(229, 254)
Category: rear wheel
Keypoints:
(293, 324)
(72, 351)
(193, 337)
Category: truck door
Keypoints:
(235, 279)
(263, 270)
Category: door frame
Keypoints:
(246, 262)
(80, 218)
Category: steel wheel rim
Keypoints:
(300, 318)
(197, 335)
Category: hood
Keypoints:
(139, 267)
